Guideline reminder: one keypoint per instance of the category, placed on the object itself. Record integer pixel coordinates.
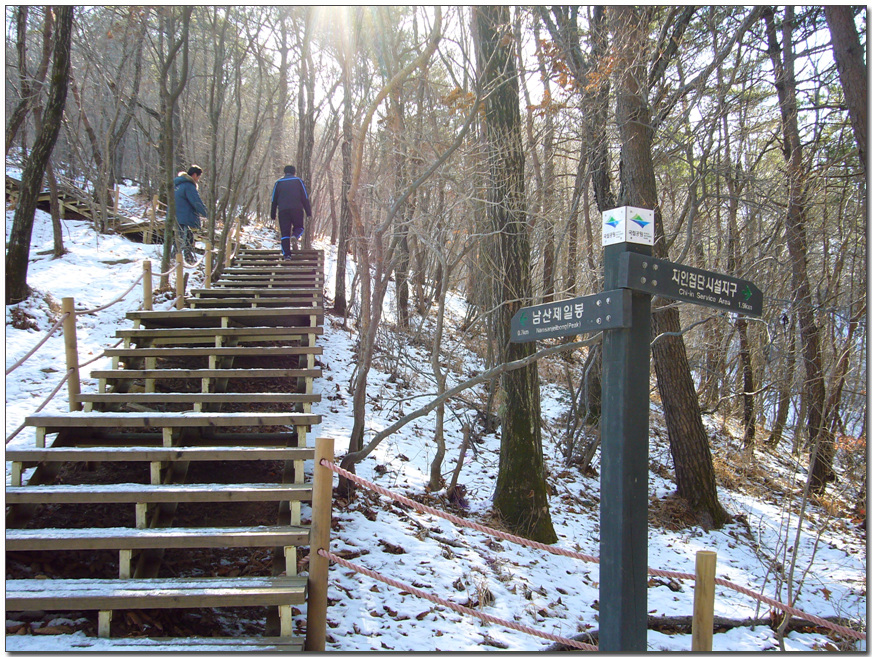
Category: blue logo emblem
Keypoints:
(641, 222)
(613, 223)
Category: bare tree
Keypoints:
(18, 250)
(521, 492)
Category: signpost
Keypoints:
(697, 286)
(623, 312)
(571, 317)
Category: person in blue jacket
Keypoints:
(291, 200)
(189, 209)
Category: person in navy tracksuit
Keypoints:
(291, 200)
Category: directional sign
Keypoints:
(706, 288)
(594, 312)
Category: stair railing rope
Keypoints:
(58, 387)
(93, 311)
(30, 353)
(846, 631)
(453, 605)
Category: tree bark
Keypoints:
(170, 90)
(694, 470)
(18, 252)
(306, 118)
(852, 70)
(521, 492)
(782, 58)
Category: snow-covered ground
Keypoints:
(554, 594)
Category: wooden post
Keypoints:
(72, 352)
(319, 537)
(147, 294)
(228, 248)
(117, 197)
(208, 281)
(180, 282)
(704, 601)
(152, 226)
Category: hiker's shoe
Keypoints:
(287, 257)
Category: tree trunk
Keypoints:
(306, 107)
(340, 303)
(170, 90)
(18, 252)
(29, 88)
(521, 496)
(785, 385)
(852, 70)
(694, 470)
(821, 470)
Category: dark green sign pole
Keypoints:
(623, 600)
(623, 314)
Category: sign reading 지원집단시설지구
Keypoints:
(683, 283)
(594, 312)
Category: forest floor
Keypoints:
(555, 594)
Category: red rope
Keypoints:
(453, 605)
(847, 631)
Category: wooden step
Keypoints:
(243, 644)
(104, 438)
(161, 420)
(129, 538)
(242, 333)
(152, 593)
(198, 398)
(148, 454)
(205, 374)
(252, 302)
(173, 352)
(205, 317)
(263, 283)
(259, 291)
(287, 273)
(156, 493)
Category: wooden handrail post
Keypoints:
(71, 348)
(208, 281)
(180, 282)
(704, 601)
(147, 294)
(319, 537)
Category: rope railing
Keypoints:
(58, 387)
(43, 405)
(93, 311)
(822, 622)
(30, 353)
(454, 606)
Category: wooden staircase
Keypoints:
(205, 409)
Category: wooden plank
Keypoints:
(217, 331)
(147, 453)
(277, 291)
(199, 397)
(147, 493)
(23, 643)
(86, 437)
(204, 373)
(171, 352)
(185, 419)
(129, 538)
(203, 317)
(250, 302)
(152, 593)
